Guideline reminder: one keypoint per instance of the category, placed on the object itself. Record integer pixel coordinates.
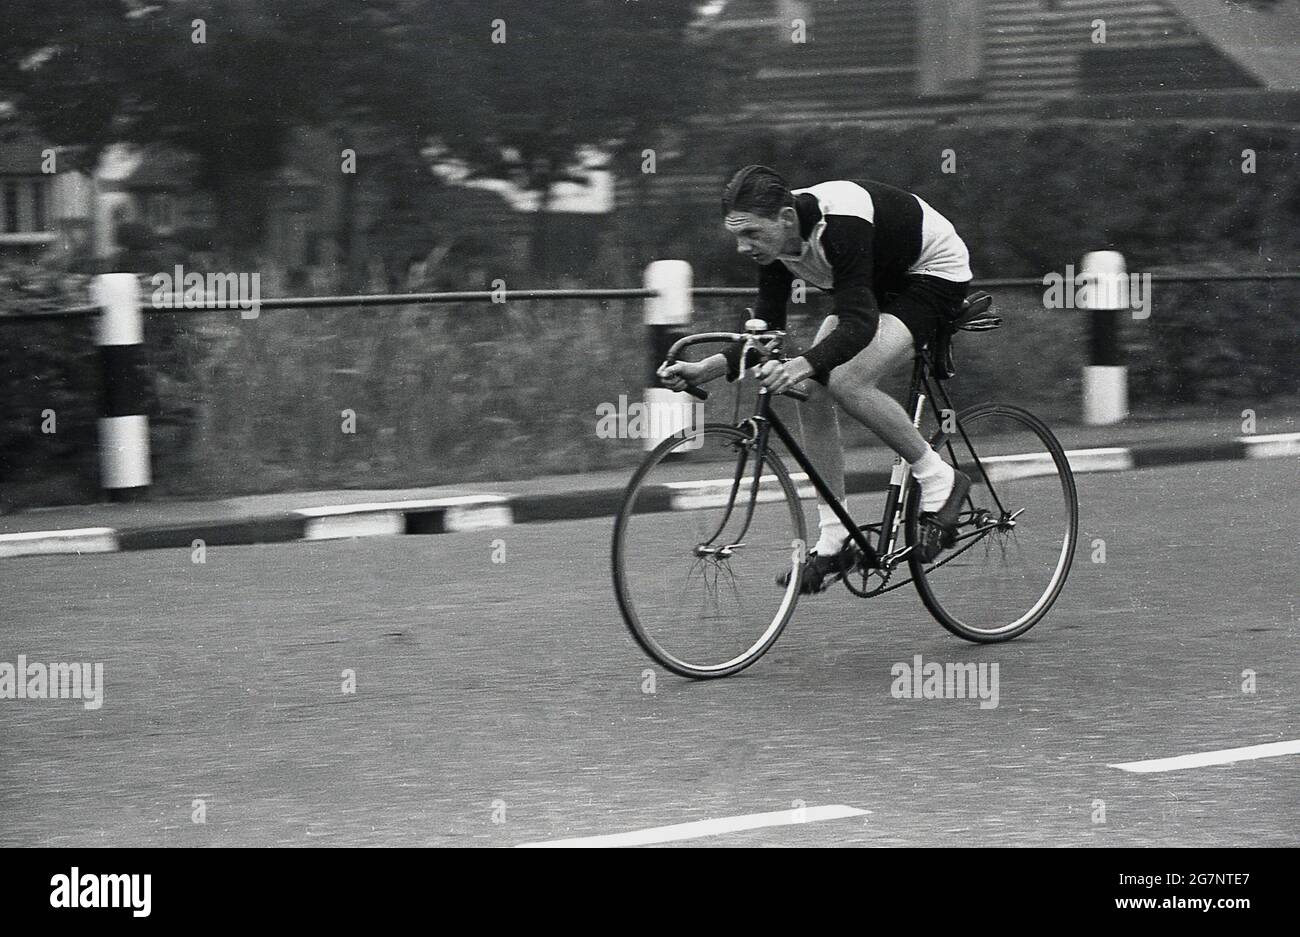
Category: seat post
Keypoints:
(918, 373)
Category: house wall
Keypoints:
(906, 59)
(1036, 49)
(52, 208)
(864, 63)
(74, 197)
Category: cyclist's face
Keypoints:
(762, 239)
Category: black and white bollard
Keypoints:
(1105, 377)
(124, 427)
(666, 313)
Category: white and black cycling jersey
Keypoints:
(906, 235)
(861, 240)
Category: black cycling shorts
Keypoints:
(923, 303)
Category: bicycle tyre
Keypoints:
(627, 514)
(926, 576)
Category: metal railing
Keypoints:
(174, 304)
(667, 295)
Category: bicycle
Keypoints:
(680, 542)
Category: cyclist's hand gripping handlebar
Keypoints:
(756, 338)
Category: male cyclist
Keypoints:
(896, 267)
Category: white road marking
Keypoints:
(714, 493)
(678, 831)
(1035, 464)
(482, 514)
(1114, 459)
(386, 518)
(424, 504)
(1222, 757)
(1005, 468)
(1271, 445)
(353, 524)
(40, 542)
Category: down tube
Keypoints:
(825, 493)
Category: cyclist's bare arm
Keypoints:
(678, 376)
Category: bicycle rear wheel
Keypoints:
(1016, 533)
(697, 549)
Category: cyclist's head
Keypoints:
(758, 210)
(757, 190)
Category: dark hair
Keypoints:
(758, 190)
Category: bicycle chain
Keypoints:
(885, 574)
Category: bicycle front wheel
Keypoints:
(699, 546)
(1016, 532)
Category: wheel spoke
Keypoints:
(1023, 509)
(721, 609)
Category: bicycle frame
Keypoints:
(747, 444)
(883, 554)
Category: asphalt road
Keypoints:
(500, 703)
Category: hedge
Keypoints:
(473, 392)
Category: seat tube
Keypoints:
(900, 479)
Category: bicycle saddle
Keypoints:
(976, 315)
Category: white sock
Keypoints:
(936, 477)
(833, 531)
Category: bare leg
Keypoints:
(854, 385)
(855, 388)
(820, 432)
(820, 428)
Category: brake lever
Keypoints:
(765, 352)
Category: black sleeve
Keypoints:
(848, 242)
(774, 282)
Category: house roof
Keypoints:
(1264, 42)
(747, 11)
(1030, 56)
(161, 168)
